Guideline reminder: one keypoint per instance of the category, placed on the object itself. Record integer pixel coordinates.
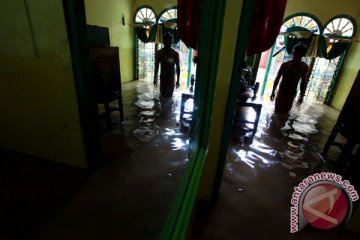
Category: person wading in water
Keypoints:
(168, 59)
(290, 73)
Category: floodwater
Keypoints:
(281, 140)
(154, 117)
(159, 156)
(259, 179)
(130, 197)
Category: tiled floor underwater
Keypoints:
(130, 196)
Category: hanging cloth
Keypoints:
(298, 34)
(170, 24)
(146, 33)
(266, 21)
(291, 40)
(188, 18)
(333, 49)
(313, 50)
(159, 34)
(195, 55)
(170, 27)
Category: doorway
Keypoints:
(324, 69)
(148, 40)
(146, 157)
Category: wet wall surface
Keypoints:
(129, 197)
(258, 179)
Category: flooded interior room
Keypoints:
(180, 119)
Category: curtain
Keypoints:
(318, 46)
(313, 50)
(170, 27)
(146, 35)
(291, 42)
(265, 25)
(188, 18)
(331, 50)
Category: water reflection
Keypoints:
(146, 133)
(159, 156)
(281, 140)
(259, 179)
(172, 132)
(159, 117)
(147, 113)
(145, 104)
(178, 143)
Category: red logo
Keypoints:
(325, 206)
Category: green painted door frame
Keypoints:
(135, 63)
(76, 27)
(209, 47)
(241, 45)
(189, 67)
(336, 77)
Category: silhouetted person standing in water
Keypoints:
(168, 59)
(290, 73)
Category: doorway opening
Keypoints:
(145, 18)
(148, 153)
(285, 148)
(325, 62)
(274, 57)
(148, 40)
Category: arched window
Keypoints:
(300, 20)
(311, 25)
(145, 15)
(333, 42)
(168, 20)
(340, 26)
(337, 38)
(296, 22)
(144, 21)
(168, 23)
(302, 25)
(168, 14)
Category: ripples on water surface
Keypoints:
(280, 141)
